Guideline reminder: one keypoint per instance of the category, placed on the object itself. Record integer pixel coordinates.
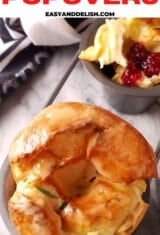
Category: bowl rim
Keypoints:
(4, 171)
(100, 76)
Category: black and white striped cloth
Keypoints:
(21, 55)
(19, 58)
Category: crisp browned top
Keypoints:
(68, 131)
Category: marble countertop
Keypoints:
(18, 110)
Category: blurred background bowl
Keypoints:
(130, 100)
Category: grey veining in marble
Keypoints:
(19, 109)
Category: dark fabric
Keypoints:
(19, 58)
(74, 22)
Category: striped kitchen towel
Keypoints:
(19, 58)
(26, 45)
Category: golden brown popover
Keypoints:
(79, 170)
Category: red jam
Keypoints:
(131, 74)
(152, 65)
(140, 62)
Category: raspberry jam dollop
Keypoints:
(141, 62)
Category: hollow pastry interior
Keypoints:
(81, 170)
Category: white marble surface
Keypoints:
(19, 109)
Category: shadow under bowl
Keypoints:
(125, 99)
